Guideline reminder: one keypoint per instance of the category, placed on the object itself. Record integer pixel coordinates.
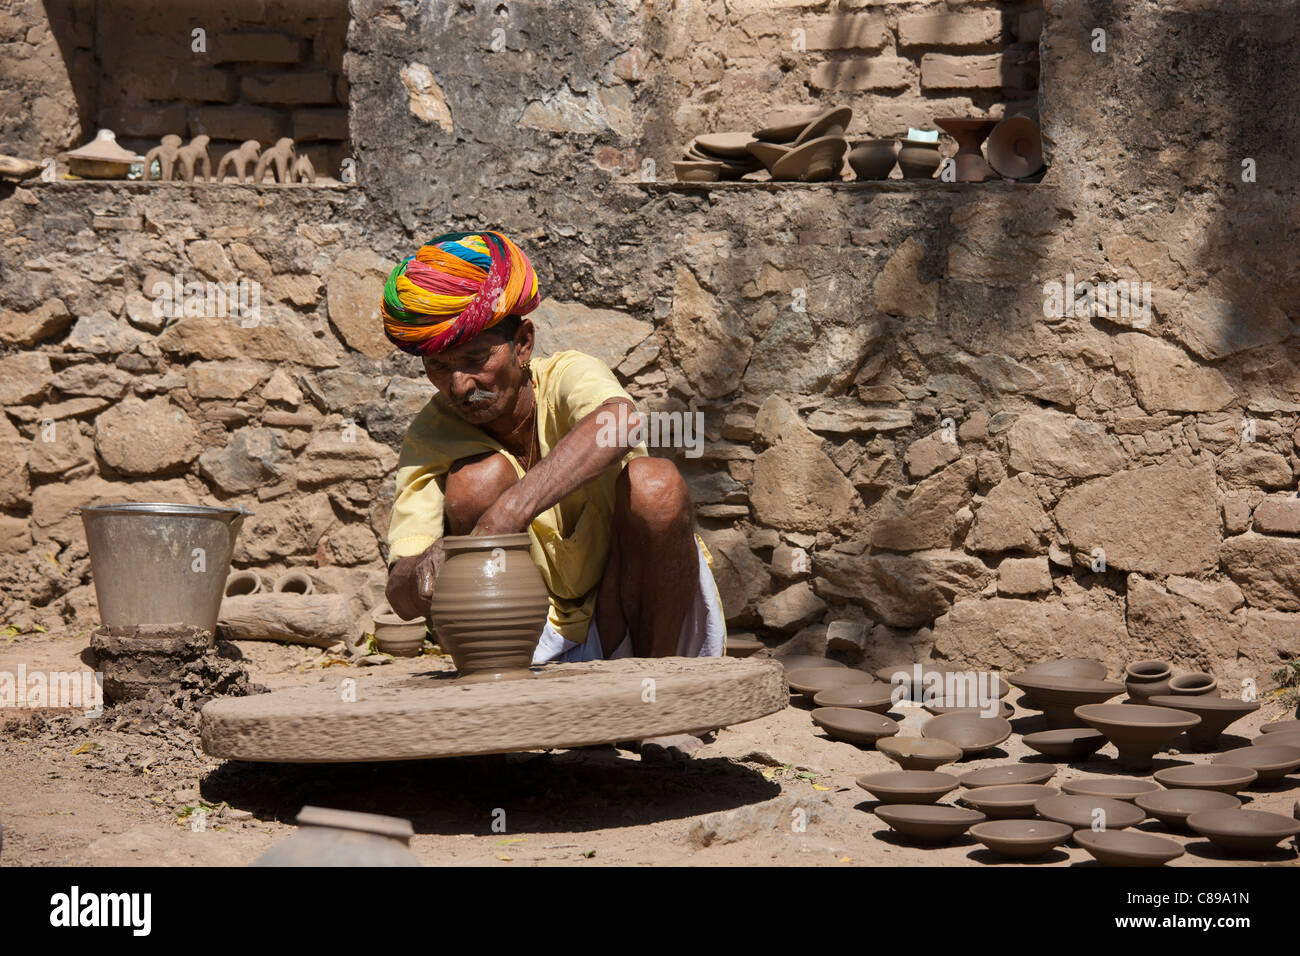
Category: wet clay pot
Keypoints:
(1127, 848)
(853, 726)
(1011, 802)
(328, 837)
(972, 733)
(908, 786)
(1282, 726)
(1007, 775)
(1143, 679)
(489, 606)
(1057, 697)
(1216, 714)
(873, 158)
(875, 697)
(1117, 788)
(814, 680)
(918, 753)
(918, 160)
(1137, 731)
(1196, 684)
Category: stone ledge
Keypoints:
(876, 185)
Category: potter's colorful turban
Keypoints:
(455, 287)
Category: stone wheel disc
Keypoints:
(415, 716)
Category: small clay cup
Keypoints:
(1128, 847)
(1173, 807)
(929, 823)
(1021, 839)
(294, 582)
(698, 171)
(918, 753)
(1219, 778)
(1143, 679)
(1196, 684)
(398, 637)
(908, 786)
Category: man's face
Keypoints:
(482, 377)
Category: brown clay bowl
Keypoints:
(1271, 763)
(972, 733)
(1173, 807)
(1246, 832)
(873, 696)
(918, 753)
(1069, 745)
(831, 122)
(1068, 667)
(1057, 697)
(873, 158)
(1277, 740)
(784, 126)
(814, 161)
(1079, 812)
(814, 680)
(697, 171)
(1128, 847)
(730, 145)
(1006, 803)
(929, 823)
(743, 646)
(941, 682)
(1216, 714)
(1021, 839)
(1138, 731)
(800, 661)
(1280, 726)
(907, 786)
(1221, 779)
(940, 707)
(1195, 684)
(853, 726)
(918, 160)
(1007, 775)
(768, 153)
(1117, 788)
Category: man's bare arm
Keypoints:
(411, 580)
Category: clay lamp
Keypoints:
(1196, 684)
(1007, 775)
(1137, 731)
(940, 706)
(1082, 812)
(697, 172)
(1117, 788)
(908, 786)
(929, 823)
(969, 133)
(1221, 778)
(800, 661)
(101, 158)
(1216, 714)
(853, 726)
(1057, 697)
(743, 646)
(1127, 848)
(1021, 839)
(1283, 726)
(873, 158)
(1015, 147)
(1271, 763)
(814, 680)
(1173, 807)
(875, 696)
(816, 160)
(972, 733)
(918, 753)
(1246, 832)
(1068, 745)
(1009, 802)
(784, 126)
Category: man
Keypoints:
(514, 443)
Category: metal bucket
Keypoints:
(160, 564)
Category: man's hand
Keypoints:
(504, 516)
(411, 581)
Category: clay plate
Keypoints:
(1117, 788)
(1021, 839)
(1221, 779)
(743, 646)
(853, 726)
(814, 680)
(1277, 740)
(874, 696)
(1285, 726)
(973, 734)
(1004, 803)
(1057, 697)
(918, 753)
(929, 823)
(1138, 731)
(1243, 831)
(730, 145)
(1128, 848)
(1216, 714)
(801, 661)
(784, 125)
(1071, 744)
(907, 786)
(939, 708)
(1271, 763)
(886, 674)
(1007, 775)
(1173, 807)
(1078, 811)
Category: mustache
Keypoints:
(479, 396)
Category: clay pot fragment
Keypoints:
(15, 169)
(239, 160)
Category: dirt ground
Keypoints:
(125, 790)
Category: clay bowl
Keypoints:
(1220, 779)
(853, 726)
(729, 145)
(1069, 667)
(1057, 697)
(831, 122)
(1277, 740)
(767, 153)
(1007, 803)
(940, 707)
(814, 161)
(907, 786)
(918, 753)
(1280, 726)
(972, 733)
(1194, 684)
(1271, 763)
(1078, 812)
(800, 661)
(929, 823)
(1068, 745)
(1021, 839)
(1015, 147)
(936, 678)
(1137, 730)
(1128, 848)
(1007, 775)
(743, 646)
(814, 680)
(784, 126)
(1216, 714)
(874, 696)
(873, 158)
(1173, 807)
(1117, 788)
(398, 637)
(1246, 832)
(698, 171)
(918, 160)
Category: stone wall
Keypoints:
(905, 454)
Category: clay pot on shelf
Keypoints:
(1015, 147)
(969, 133)
(489, 606)
(918, 160)
(1143, 679)
(813, 161)
(873, 158)
(1196, 684)
(396, 636)
(698, 172)
(102, 158)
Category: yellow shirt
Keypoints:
(570, 541)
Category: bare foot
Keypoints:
(671, 749)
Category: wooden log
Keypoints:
(318, 620)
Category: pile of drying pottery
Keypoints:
(175, 160)
(1010, 808)
(801, 145)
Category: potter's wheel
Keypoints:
(414, 716)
